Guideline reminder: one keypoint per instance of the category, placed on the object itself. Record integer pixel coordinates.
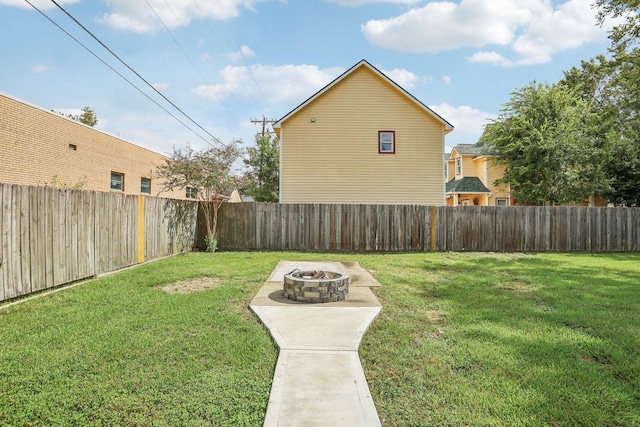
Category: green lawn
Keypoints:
(463, 339)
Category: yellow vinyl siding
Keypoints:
(468, 167)
(494, 173)
(451, 170)
(335, 159)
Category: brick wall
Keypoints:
(36, 148)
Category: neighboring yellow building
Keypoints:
(38, 147)
(362, 139)
(470, 176)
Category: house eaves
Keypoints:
(363, 63)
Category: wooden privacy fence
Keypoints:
(403, 228)
(49, 236)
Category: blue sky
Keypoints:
(225, 62)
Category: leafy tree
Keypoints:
(263, 177)
(88, 116)
(209, 174)
(612, 85)
(628, 32)
(544, 138)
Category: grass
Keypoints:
(506, 340)
(463, 339)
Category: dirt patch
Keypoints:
(191, 285)
(517, 287)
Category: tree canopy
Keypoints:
(208, 174)
(612, 84)
(263, 175)
(88, 116)
(628, 31)
(544, 138)
(582, 135)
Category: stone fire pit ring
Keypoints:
(316, 286)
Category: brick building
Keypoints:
(39, 147)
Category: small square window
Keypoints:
(192, 193)
(117, 181)
(73, 147)
(386, 142)
(145, 185)
(502, 202)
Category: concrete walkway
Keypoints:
(319, 379)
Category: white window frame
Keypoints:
(459, 166)
(385, 134)
(502, 199)
(117, 181)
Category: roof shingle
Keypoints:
(469, 184)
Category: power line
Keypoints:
(246, 63)
(184, 52)
(264, 122)
(115, 71)
(136, 73)
(243, 57)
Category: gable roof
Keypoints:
(363, 63)
(469, 184)
(476, 150)
(468, 149)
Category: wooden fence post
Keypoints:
(141, 228)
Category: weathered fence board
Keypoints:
(389, 228)
(51, 236)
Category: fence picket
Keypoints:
(388, 228)
(51, 236)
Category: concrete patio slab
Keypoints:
(319, 379)
(315, 328)
(271, 294)
(320, 389)
(358, 276)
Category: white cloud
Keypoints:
(40, 4)
(490, 58)
(280, 84)
(39, 68)
(161, 86)
(467, 121)
(244, 52)
(406, 79)
(534, 30)
(355, 3)
(446, 80)
(138, 17)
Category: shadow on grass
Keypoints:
(523, 339)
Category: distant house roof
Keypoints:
(468, 148)
(476, 150)
(363, 63)
(469, 184)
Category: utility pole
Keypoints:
(264, 122)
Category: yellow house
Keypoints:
(362, 139)
(470, 176)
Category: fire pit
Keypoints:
(316, 286)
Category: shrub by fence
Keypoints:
(398, 228)
(50, 236)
